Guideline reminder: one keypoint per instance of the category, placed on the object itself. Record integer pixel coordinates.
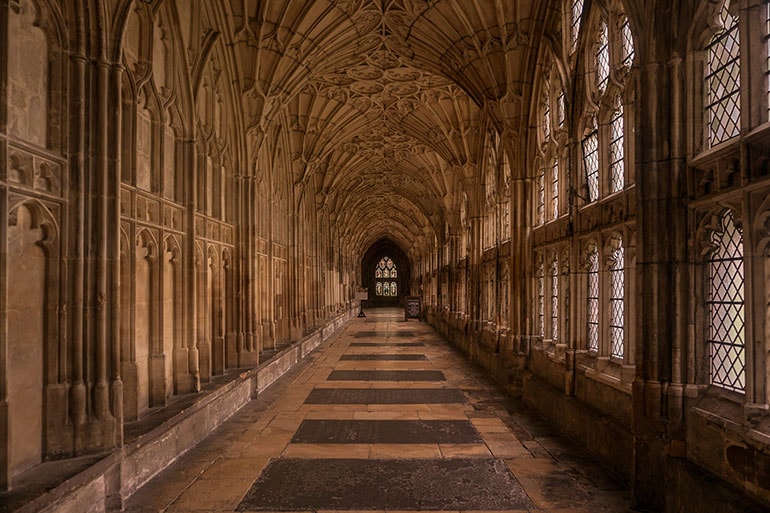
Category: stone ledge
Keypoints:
(105, 484)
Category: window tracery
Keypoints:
(547, 186)
(604, 144)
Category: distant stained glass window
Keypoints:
(385, 271)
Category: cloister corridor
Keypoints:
(385, 416)
(568, 199)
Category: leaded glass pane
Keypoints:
(378, 273)
(555, 300)
(560, 108)
(617, 292)
(378, 288)
(591, 164)
(577, 13)
(555, 189)
(723, 81)
(617, 164)
(602, 58)
(627, 43)
(393, 273)
(385, 288)
(726, 307)
(592, 310)
(393, 289)
(541, 300)
(546, 117)
(541, 197)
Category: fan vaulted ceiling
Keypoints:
(388, 101)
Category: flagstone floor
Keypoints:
(384, 417)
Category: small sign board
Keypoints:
(412, 307)
(362, 294)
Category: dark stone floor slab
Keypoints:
(373, 334)
(386, 432)
(386, 375)
(393, 344)
(383, 357)
(349, 484)
(385, 396)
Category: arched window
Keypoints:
(555, 299)
(552, 143)
(592, 298)
(723, 84)
(617, 159)
(541, 196)
(617, 294)
(602, 57)
(725, 305)
(604, 144)
(540, 284)
(576, 13)
(591, 162)
(555, 188)
(385, 271)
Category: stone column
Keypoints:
(113, 249)
(76, 260)
(189, 271)
(102, 170)
(661, 269)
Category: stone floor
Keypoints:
(384, 417)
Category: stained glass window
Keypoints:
(555, 189)
(617, 292)
(591, 164)
(576, 14)
(592, 307)
(555, 300)
(560, 112)
(541, 300)
(627, 43)
(602, 58)
(726, 307)
(723, 81)
(386, 269)
(617, 164)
